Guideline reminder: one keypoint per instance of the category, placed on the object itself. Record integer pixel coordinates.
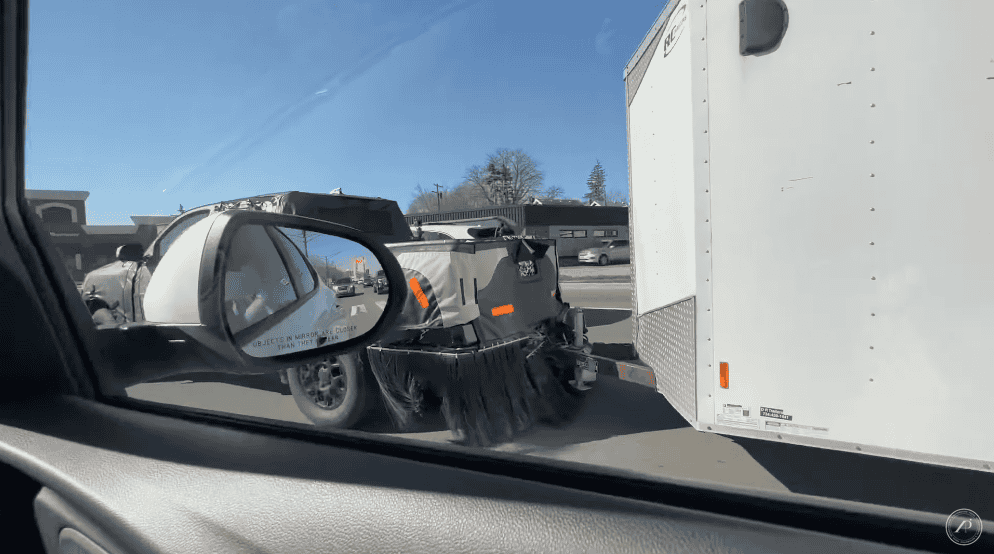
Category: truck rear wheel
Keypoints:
(332, 392)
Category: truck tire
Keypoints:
(603, 260)
(345, 398)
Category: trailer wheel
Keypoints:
(603, 260)
(332, 392)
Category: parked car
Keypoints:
(610, 251)
(381, 285)
(344, 287)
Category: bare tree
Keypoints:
(478, 178)
(423, 201)
(509, 177)
(554, 192)
(462, 197)
(525, 176)
(617, 196)
(325, 268)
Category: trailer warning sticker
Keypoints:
(736, 415)
(795, 429)
(774, 413)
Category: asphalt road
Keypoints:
(628, 426)
(364, 309)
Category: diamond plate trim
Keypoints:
(667, 344)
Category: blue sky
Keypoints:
(150, 106)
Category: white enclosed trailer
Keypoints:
(812, 239)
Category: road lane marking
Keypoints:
(381, 304)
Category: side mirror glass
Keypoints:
(132, 252)
(263, 290)
(289, 290)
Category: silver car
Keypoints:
(344, 287)
(610, 251)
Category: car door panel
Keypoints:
(142, 277)
(218, 489)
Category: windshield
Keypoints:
(700, 308)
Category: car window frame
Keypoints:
(154, 252)
(285, 256)
(51, 292)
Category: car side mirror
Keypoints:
(240, 285)
(132, 252)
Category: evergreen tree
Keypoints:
(595, 184)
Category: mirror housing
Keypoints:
(185, 306)
(132, 252)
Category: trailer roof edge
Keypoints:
(651, 34)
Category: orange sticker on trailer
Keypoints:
(502, 310)
(418, 293)
(723, 374)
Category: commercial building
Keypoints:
(83, 247)
(574, 226)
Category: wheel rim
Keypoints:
(325, 383)
(603, 260)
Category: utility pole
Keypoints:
(505, 181)
(439, 193)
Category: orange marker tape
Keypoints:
(723, 374)
(418, 293)
(502, 310)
